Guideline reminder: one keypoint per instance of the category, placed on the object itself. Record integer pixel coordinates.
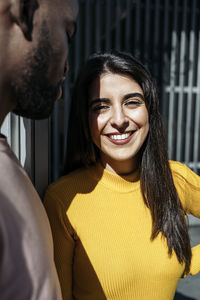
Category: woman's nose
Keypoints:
(119, 119)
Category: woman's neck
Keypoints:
(120, 167)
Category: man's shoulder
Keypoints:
(11, 171)
(15, 185)
(8, 160)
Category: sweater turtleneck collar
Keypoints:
(114, 181)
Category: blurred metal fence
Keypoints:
(165, 36)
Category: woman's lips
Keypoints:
(120, 138)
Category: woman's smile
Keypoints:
(120, 138)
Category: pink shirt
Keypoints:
(27, 270)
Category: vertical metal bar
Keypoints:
(165, 71)
(22, 142)
(78, 46)
(6, 128)
(56, 142)
(27, 149)
(67, 102)
(108, 25)
(156, 39)
(118, 26)
(41, 156)
(147, 31)
(183, 42)
(15, 135)
(87, 29)
(196, 148)
(172, 80)
(98, 26)
(137, 32)
(50, 167)
(128, 38)
(190, 101)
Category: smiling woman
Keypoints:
(118, 121)
(118, 220)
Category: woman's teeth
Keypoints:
(120, 136)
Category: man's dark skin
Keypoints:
(34, 44)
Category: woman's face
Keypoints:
(118, 120)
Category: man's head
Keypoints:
(34, 42)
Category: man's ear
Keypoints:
(22, 13)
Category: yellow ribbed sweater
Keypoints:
(101, 230)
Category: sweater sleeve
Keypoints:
(192, 200)
(64, 242)
(192, 192)
(195, 263)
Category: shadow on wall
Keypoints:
(179, 296)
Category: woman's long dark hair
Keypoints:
(157, 184)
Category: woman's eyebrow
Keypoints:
(98, 100)
(131, 95)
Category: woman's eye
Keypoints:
(99, 108)
(133, 102)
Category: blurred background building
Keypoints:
(165, 36)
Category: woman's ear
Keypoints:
(22, 13)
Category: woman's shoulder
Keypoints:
(182, 171)
(62, 191)
(187, 184)
(177, 164)
(184, 177)
(67, 187)
(178, 168)
(68, 181)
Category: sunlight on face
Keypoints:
(118, 120)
